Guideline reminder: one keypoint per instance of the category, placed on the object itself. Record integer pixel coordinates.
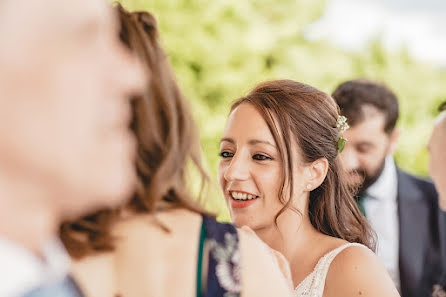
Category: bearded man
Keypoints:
(402, 208)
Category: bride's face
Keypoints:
(250, 169)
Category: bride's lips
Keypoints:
(242, 203)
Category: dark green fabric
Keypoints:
(361, 201)
(200, 258)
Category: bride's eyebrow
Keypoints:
(250, 142)
(258, 141)
(227, 139)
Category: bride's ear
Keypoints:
(316, 173)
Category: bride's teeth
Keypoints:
(242, 196)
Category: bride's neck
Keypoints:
(290, 235)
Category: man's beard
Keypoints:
(368, 179)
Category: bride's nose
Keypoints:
(238, 169)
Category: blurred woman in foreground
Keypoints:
(163, 243)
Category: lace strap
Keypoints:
(321, 269)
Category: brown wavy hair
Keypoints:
(442, 106)
(353, 95)
(168, 143)
(309, 116)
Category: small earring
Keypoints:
(308, 187)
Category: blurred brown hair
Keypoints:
(167, 141)
(442, 106)
(308, 116)
(352, 95)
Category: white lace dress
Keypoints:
(313, 285)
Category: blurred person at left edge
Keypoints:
(65, 145)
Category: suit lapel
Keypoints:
(442, 227)
(413, 217)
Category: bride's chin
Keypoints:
(240, 222)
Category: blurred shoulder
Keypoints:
(95, 274)
(265, 272)
(156, 248)
(164, 223)
(149, 238)
(357, 271)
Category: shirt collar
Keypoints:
(385, 187)
(25, 271)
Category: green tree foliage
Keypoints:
(220, 49)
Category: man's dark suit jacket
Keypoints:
(419, 238)
(434, 282)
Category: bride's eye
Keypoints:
(225, 154)
(261, 157)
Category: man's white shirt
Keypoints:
(22, 271)
(381, 208)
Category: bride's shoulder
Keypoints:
(354, 255)
(357, 271)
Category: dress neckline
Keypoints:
(320, 261)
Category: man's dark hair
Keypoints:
(442, 107)
(353, 95)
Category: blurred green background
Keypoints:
(220, 49)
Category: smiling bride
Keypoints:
(281, 176)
